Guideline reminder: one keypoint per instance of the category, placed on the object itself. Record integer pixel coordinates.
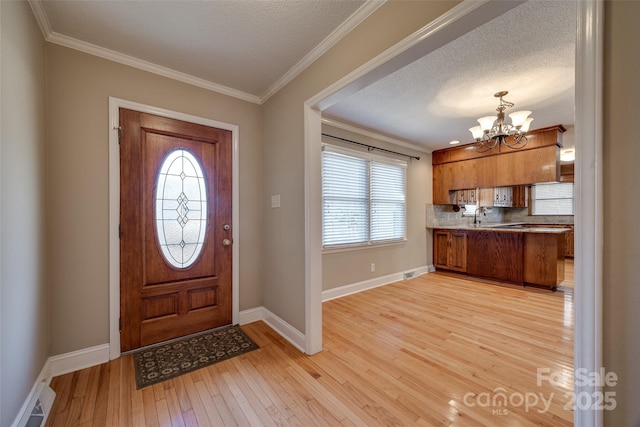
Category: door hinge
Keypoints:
(119, 324)
(119, 129)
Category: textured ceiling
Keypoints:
(528, 51)
(246, 45)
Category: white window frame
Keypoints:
(369, 157)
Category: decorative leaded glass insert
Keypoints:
(181, 208)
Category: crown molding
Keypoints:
(41, 17)
(92, 49)
(149, 66)
(371, 134)
(345, 28)
(353, 21)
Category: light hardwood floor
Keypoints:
(438, 350)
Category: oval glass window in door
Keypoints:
(181, 208)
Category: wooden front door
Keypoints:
(175, 228)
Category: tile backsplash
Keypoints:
(444, 215)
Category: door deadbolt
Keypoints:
(226, 227)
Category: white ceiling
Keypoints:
(251, 48)
(244, 45)
(528, 51)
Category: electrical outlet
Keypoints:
(373, 267)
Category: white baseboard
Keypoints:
(251, 315)
(431, 268)
(353, 288)
(288, 332)
(76, 360)
(284, 329)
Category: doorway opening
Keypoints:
(588, 176)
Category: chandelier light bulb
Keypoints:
(486, 123)
(477, 132)
(527, 123)
(519, 118)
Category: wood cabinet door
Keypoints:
(471, 196)
(486, 197)
(520, 196)
(441, 249)
(497, 199)
(504, 196)
(496, 255)
(569, 235)
(458, 251)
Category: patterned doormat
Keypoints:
(165, 361)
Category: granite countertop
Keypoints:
(514, 227)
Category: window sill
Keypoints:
(360, 247)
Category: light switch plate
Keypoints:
(275, 201)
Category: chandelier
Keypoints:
(493, 131)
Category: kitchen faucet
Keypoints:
(475, 221)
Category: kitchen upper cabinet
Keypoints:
(520, 195)
(450, 250)
(516, 196)
(566, 173)
(503, 196)
(464, 197)
(462, 167)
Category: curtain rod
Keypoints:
(370, 147)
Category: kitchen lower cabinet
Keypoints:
(495, 255)
(526, 257)
(450, 250)
(569, 243)
(544, 259)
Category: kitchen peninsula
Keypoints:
(515, 253)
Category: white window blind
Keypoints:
(554, 198)
(363, 198)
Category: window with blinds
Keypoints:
(363, 198)
(554, 198)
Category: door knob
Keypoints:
(226, 242)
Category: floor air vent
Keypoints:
(42, 402)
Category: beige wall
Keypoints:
(352, 266)
(284, 244)
(621, 207)
(24, 314)
(77, 172)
